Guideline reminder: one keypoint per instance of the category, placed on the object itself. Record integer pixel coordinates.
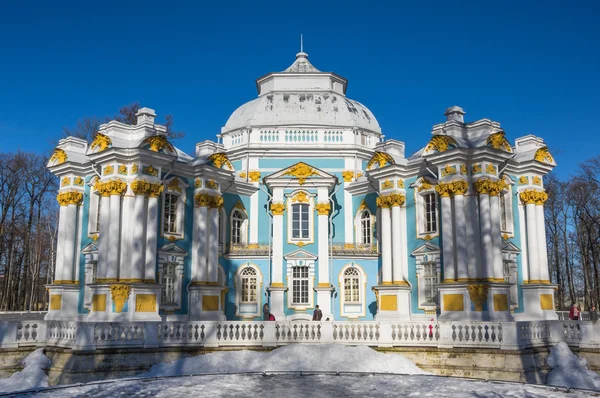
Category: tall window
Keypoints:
(430, 278)
(300, 285)
(430, 213)
(98, 213)
(168, 280)
(249, 283)
(506, 271)
(365, 228)
(237, 222)
(503, 214)
(300, 221)
(170, 213)
(351, 286)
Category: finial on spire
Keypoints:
(301, 44)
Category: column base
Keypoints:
(276, 294)
(393, 302)
(124, 302)
(63, 303)
(324, 300)
(206, 303)
(538, 302)
(474, 302)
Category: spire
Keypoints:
(301, 64)
(301, 46)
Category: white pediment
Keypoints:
(510, 247)
(91, 248)
(303, 173)
(424, 249)
(172, 249)
(300, 255)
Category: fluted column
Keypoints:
(473, 237)
(139, 188)
(485, 223)
(530, 197)
(69, 203)
(497, 268)
(103, 236)
(322, 208)
(277, 208)
(386, 240)
(459, 189)
(151, 232)
(60, 243)
(447, 233)
(541, 233)
(114, 229)
(213, 238)
(404, 243)
(200, 235)
(396, 201)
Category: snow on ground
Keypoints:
(568, 370)
(33, 374)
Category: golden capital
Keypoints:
(154, 190)
(478, 294)
(202, 200)
(323, 208)
(443, 189)
(458, 187)
(397, 200)
(497, 187)
(140, 187)
(277, 209)
(216, 202)
(120, 294)
(483, 186)
(254, 176)
(348, 175)
(532, 196)
(383, 202)
(69, 198)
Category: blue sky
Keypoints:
(533, 66)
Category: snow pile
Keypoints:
(33, 374)
(570, 371)
(327, 358)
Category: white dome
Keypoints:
(302, 96)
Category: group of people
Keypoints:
(575, 313)
(267, 316)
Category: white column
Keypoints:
(485, 219)
(448, 240)
(397, 273)
(386, 245)
(349, 234)
(138, 239)
(200, 235)
(69, 244)
(151, 239)
(473, 237)
(404, 243)
(60, 243)
(253, 218)
(523, 234)
(277, 261)
(498, 271)
(103, 236)
(213, 239)
(461, 237)
(532, 243)
(127, 225)
(112, 271)
(541, 242)
(323, 226)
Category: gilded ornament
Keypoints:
(440, 143)
(478, 294)
(448, 171)
(458, 187)
(476, 169)
(301, 171)
(532, 196)
(216, 202)
(140, 187)
(65, 182)
(383, 202)
(254, 176)
(112, 187)
(425, 185)
(145, 302)
(95, 237)
(443, 190)
(300, 197)
(198, 183)
(523, 180)
(150, 171)
(300, 244)
(387, 184)
(463, 169)
(174, 185)
(359, 175)
(243, 175)
(496, 187)
(482, 186)
(363, 205)
(490, 169)
(120, 294)
(157, 143)
(219, 160)
(171, 238)
(154, 190)
(100, 142)
(323, 208)
(543, 155)
(108, 170)
(397, 200)
(277, 208)
(381, 159)
(123, 169)
(505, 236)
(499, 141)
(134, 169)
(59, 156)
(427, 237)
(239, 205)
(348, 175)
(400, 184)
(537, 180)
(203, 200)
(69, 198)
(211, 184)
(78, 181)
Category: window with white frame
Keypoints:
(300, 221)
(169, 282)
(170, 213)
(300, 208)
(351, 286)
(366, 229)
(426, 204)
(506, 215)
(352, 295)
(430, 222)
(506, 264)
(428, 267)
(249, 283)
(237, 223)
(300, 283)
(173, 207)
(430, 278)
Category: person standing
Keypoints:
(317, 315)
(266, 312)
(574, 313)
(593, 314)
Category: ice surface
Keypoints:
(33, 374)
(568, 370)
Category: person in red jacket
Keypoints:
(574, 313)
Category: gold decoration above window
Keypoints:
(499, 141)
(277, 209)
(387, 184)
(174, 185)
(78, 181)
(301, 171)
(219, 160)
(254, 176)
(108, 170)
(363, 205)
(532, 196)
(239, 205)
(95, 237)
(448, 171)
(440, 143)
(300, 197)
(100, 142)
(155, 190)
(380, 159)
(425, 185)
(65, 182)
(59, 156)
(323, 208)
(157, 143)
(150, 171)
(120, 294)
(122, 169)
(69, 198)
(543, 155)
(211, 184)
(348, 175)
(478, 294)
(523, 180)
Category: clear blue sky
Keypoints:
(531, 65)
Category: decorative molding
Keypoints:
(78, 181)
(448, 171)
(219, 160)
(211, 184)
(440, 143)
(157, 143)
(301, 171)
(150, 171)
(300, 197)
(108, 170)
(145, 302)
(198, 183)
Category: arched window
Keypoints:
(170, 214)
(366, 230)
(248, 279)
(351, 286)
(237, 227)
(300, 221)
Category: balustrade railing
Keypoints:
(352, 249)
(249, 249)
(308, 137)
